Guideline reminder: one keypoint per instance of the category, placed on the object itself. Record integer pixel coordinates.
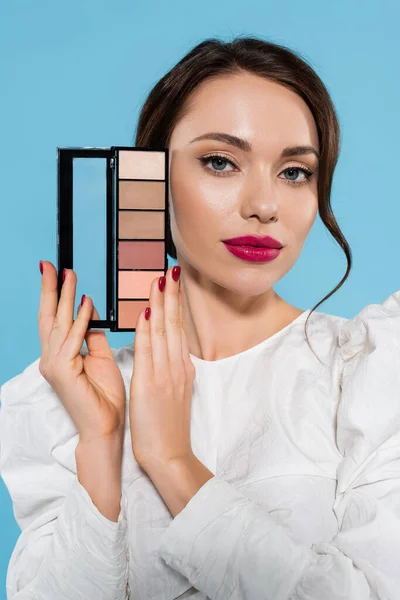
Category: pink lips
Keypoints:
(254, 248)
(252, 254)
(254, 240)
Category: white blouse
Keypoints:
(304, 504)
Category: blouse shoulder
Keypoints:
(368, 420)
(374, 325)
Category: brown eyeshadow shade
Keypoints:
(128, 312)
(141, 225)
(141, 230)
(142, 194)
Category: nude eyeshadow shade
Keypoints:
(137, 216)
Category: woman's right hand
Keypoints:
(90, 386)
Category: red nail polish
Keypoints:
(64, 274)
(147, 313)
(161, 283)
(176, 273)
(41, 267)
(83, 299)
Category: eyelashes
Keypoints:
(206, 159)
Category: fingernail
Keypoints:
(147, 313)
(83, 299)
(161, 283)
(41, 267)
(176, 272)
(64, 274)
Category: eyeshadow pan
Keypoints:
(141, 165)
(128, 312)
(141, 194)
(141, 225)
(141, 255)
(136, 284)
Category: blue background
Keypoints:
(76, 74)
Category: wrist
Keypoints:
(98, 469)
(113, 439)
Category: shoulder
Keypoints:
(368, 338)
(376, 326)
(369, 408)
(323, 331)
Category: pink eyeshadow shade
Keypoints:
(141, 255)
(136, 284)
(128, 312)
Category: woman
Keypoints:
(288, 484)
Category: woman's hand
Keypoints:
(162, 380)
(90, 386)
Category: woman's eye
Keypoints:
(219, 162)
(307, 174)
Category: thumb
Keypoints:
(96, 341)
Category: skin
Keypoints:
(228, 304)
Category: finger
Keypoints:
(184, 342)
(158, 331)
(65, 311)
(48, 304)
(187, 361)
(96, 341)
(173, 322)
(142, 351)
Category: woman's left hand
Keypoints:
(162, 380)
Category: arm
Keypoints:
(230, 547)
(68, 549)
(99, 472)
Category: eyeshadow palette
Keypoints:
(136, 220)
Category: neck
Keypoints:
(220, 323)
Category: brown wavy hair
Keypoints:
(167, 103)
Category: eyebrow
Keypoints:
(244, 145)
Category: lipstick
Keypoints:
(254, 248)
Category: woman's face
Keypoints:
(242, 192)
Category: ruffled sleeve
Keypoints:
(67, 550)
(229, 547)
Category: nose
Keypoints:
(259, 198)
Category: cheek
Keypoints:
(193, 204)
(299, 217)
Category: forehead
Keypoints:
(249, 106)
